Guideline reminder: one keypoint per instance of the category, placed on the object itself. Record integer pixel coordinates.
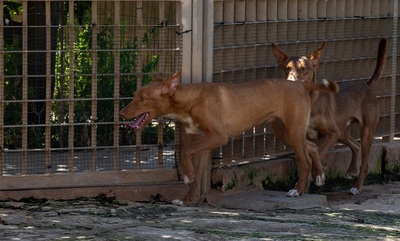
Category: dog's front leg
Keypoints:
(194, 193)
(194, 152)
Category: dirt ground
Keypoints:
(372, 215)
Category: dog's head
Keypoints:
(298, 68)
(150, 101)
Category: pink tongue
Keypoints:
(136, 123)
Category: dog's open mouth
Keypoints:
(138, 122)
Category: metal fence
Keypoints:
(244, 31)
(67, 67)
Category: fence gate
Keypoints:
(66, 69)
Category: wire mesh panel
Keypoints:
(67, 68)
(245, 30)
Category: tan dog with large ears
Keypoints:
(213, 112)
(298, 68)
(323, 110)
(354, 103)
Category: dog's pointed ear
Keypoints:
(316, 55)
(169, 85)
(280, 56)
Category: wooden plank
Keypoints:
(375, 9)
(292, 10)
(272, 10)
(240, 11)
(358, 8)
(331, 9)
(303, 9)
(349, 9)
(218, 12)
(312, 9)
(366, 8)
(282, 9)
(251, 10)
(384, 8)
(340, 8)
(261, 10)
(321, 9)
(229, 11)
(129, 192)
(86, 179)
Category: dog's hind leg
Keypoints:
(349, 141)
(311, 152)
(316, 169)
(367, 132)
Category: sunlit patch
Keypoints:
(186, 221)
(225, 213)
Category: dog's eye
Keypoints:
(141, 98)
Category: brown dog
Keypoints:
(213, 112)
(354, 103)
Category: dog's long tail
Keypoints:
(326, 86)
(380, 62)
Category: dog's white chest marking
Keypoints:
(190, 126)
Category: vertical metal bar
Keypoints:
(24, 87)
(160, 131)
(394, 70)
(1, 87)
(48, 88)
(93, 137)
(139, 65)
(186, 41)
(197, 42)
(208, 41)
(71, 108)
(117, 62)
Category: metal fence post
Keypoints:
(197, 66)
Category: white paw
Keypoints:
(186, 180)
(293, 193)
(350, 176)
(320, 180)
(177, 202)
(354, 191)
